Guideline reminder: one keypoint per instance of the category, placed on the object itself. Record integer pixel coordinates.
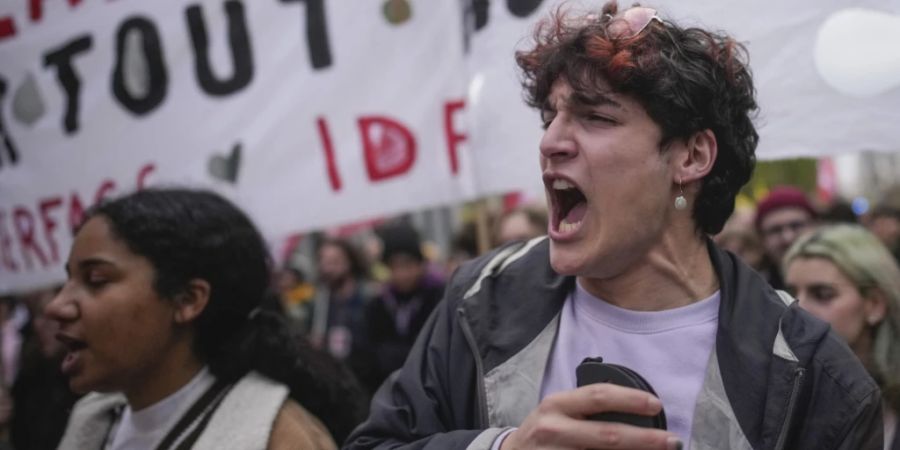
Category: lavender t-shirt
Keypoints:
(670, 349)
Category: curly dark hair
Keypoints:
(687, 79)
(195, 234)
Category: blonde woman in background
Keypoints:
(844, 275)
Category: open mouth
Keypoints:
(569, 206)
(71, 343)
(73, 357)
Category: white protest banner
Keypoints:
(312, 113)
(308, 113)
(827, 74)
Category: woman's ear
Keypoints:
(875, 307)
(191, 302)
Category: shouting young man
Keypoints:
(648, 140)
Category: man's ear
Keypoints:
(695, 160)
(191, 302)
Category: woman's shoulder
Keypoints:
(98, 404)
(296, 428)
(90, 420)
(257, 413)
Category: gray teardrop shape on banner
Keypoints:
(27, 104)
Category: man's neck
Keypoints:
(676, 273)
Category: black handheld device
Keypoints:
(594, 370)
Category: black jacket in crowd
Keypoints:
(392, 322)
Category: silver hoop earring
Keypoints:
(680, 201)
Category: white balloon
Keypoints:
(857, 52)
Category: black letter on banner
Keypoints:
(62, 59)
(240, 50)
(158, 81)
(316, 33)
(7, 140)
(522, 8)
(477, 11)
(481, 8)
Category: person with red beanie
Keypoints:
(782, 216)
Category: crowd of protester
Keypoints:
(365, 308)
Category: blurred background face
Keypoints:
(334, 265)
(517, 227)
(887, 229)
(406, 271)
(780, 228)
(744, 244)
(286, 280)
(823, 290)
(45, 328)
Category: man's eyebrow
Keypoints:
(580, 100)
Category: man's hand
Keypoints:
(559, 422)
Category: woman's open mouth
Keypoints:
(72, 362)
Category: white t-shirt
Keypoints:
(670, 349)
(145, 429)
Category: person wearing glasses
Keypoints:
(844, 275)
(648, 138)
(782, 216)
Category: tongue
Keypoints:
(69, 362)
(577, 212)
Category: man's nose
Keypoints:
(557, 142)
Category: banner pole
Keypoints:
(482, 228)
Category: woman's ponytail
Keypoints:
(326, 388)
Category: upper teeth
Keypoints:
(562, 184)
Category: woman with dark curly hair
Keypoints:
(161, 319)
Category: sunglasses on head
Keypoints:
(631, 22)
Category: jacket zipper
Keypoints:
(479, 368)
(792, 403)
